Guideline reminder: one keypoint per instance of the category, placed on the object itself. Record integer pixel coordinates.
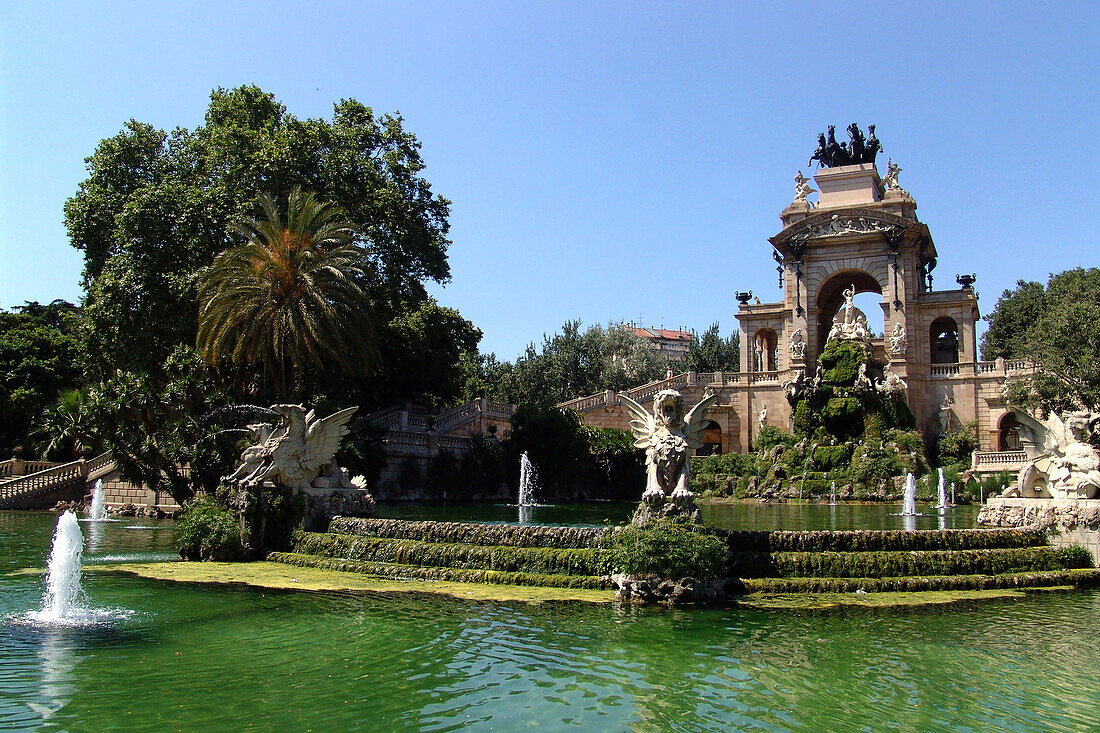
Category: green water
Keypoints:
(728, 515)
(201, 658)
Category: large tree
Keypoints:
(290, 298)
(38, 361)
(1057, 329)
(156, 208)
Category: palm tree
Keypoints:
(289, 298)
(66, 427)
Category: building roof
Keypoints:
(651, 333)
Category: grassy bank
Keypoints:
(287, 577)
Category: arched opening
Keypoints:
(944, 341)
(712, 440)
(765, 347)
(1008, 433)
(830, 298)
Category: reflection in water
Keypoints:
(93, 540)
(57, 659)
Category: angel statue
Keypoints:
(299, 453)
(802, 188)
(666, 436)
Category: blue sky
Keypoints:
(606, 161)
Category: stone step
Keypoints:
(504, 558)
(1080, 578)
(400, 571)
(897, 564)
(881, 540)
(472, 533)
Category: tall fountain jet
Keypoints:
(63, 593)
(526, 481)
(98, 510)
(909, 504)
(942, 498)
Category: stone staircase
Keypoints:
(764, 562)
(23, 490)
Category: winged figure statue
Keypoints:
(299, 453)
(666, 434)
(1070, 467)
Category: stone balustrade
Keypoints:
(54, 477)
(992, 461)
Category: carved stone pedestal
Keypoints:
(665, 508)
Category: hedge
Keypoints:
(458, 575)
(472, 533)
(414, 552)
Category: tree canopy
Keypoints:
(574, 364)
(156, 207)
(712, 353)
(1058, 331)
(38, 361)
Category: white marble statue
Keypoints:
(762, 418)
(891, 383)
(947, 413)
(667, 435)
(890, 182)
(863, 380)
(798, 344)
(298, 453)
(850, 323)
(1070, 466)
(899, 341)
(802, 189)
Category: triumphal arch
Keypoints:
(861, 235)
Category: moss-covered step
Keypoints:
(899, 564)
(871, 540)
(504, 558)
(1080, 578)
(472, 533)
(454, 574)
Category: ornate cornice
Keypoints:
(849, 223)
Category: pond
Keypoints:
(195, 657)
(727, 515)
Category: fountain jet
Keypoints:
(98, 510)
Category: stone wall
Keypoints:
(1069, 522)
(118, 493)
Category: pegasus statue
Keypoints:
(299, 453)
(666, 435)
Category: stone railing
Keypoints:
(943, 370)
(762, 377)
(19, 467)
(55, 477)
(406, 443)
(998, 460)
(646, 391)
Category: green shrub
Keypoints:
(670, 548)
(1074, 556)
(828, 457)
(770, 436)
(840, 361)
(209, 531)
